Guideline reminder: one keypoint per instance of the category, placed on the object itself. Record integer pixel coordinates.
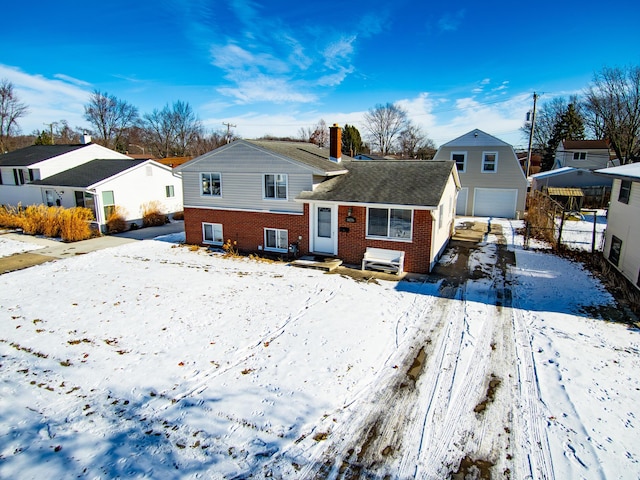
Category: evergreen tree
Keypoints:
(570, 126)
(351, 141)
(43, 138)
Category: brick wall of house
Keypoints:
(246, 228)
(353, 244)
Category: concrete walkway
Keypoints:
(54, 250)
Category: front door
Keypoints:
(324, 234)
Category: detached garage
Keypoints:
(495, 202)
(492, 180)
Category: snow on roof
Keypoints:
(631, 170)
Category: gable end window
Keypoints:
(212, 233)
(625, 191)
(615, 250)
(579, 155)
(461, 160)
(489, 162)
(276, 240)
(389, 223)
(211, 184)
(275, 186)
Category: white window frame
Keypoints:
(276, 177)
(464, 161)
(202, 192)
(282, 247)
(388, 236)
(213, 240)
(440, 215)
(169, 191)
(485, 162)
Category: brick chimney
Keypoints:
(335, 143)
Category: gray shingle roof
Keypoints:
(389, 182)
(307, 153)
(27, 156)
(89, 173)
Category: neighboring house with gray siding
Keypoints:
(292, 197)
(586, 154)
(492, 180)
(621, 246)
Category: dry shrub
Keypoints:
(178, 216)
(75, 224)
(152, 215)
(71, 224)
(116, 221)
(231, 248)
(10, 216)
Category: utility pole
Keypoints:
(533, 126)
(51, 130)
(229, 125)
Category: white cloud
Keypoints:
(262, 88)
(48, 99)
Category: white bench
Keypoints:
(383, 259)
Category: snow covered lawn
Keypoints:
(10, 247)
(152, 360)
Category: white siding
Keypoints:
(134, 188)
(242, 168)
(443, 231)
(74, 158)
(624, 222)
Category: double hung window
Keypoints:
(461, 160)
(489, 162)
(275, 186)
(211, 184)
(625, 191)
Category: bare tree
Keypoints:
(383, 124)
(413, 141)
(110, 117)
(187, 127)
(172, 131)
(320, 135)
(613, 102)
(304, 134)
(210, 141)
(11, 109)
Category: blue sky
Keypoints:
(275, 67)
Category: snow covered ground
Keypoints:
(10, 247)
(577, 232)
(154, 360)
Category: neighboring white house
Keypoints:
(588, 154)
(622, 247)
(492, 180)
(37, 162)
(103, 185)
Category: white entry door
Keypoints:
(324, 229)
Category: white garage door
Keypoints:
(461, 204)
(495, 202)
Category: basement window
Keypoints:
(615, 250)
(276, 240)
(212, 234)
